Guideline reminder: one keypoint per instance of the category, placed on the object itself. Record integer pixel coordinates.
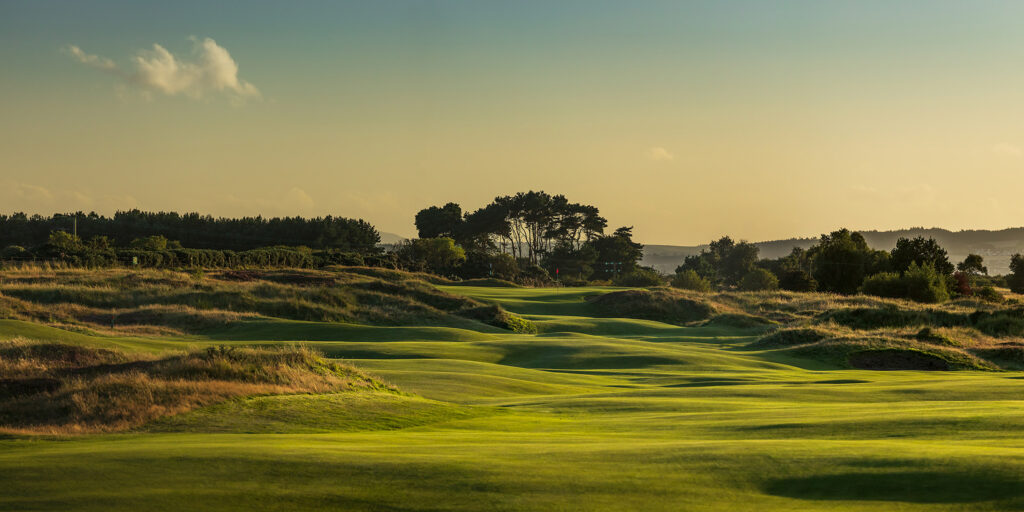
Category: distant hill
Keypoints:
(995, 246)
(390, 238)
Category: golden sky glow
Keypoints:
(686, 120)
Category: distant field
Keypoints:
(593, 412)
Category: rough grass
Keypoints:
(162, 302)
(59, 388)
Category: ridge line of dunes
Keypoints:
(844, 331)
(165, 302)
(54, 388)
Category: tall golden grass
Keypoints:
(64, 389)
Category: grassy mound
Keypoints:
(58, 388)
(155, 302)
(896, 359)
(739, 321)
(892, 316)
(659, 304)
(790, 338)
(888, 353)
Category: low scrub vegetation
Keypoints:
(664, 305)
(58, 388)
(166, 302)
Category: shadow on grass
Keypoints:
(903, 486)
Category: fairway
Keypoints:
(590, 413)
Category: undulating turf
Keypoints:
(589, 414)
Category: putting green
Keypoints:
(589, 414)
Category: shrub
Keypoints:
(14, 252)
(436, 255)
(690, 280)
(796, 280)
(639, 277)
(660, 304)
(919, 283)
(759, 279)
(480, 264)
(989, 294)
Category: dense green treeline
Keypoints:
(158, 252)
(195, 230)
(842, 262)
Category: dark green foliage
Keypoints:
(195, 230)
(443, 221)
(921, 252)
(897, 359)
(480, 264)
(793, 271)
(724, 261)
(1015, 281)
(480, 229)
(1000, 323)
(759, 279)
(797, 280)
(616, 254)
(436, 255)
(892, 316)
(973, 264)
(989, 294)
(841, 261)
(918, 283)
(661, 305)
(639, 277)
(565, 261)
(690, 280)
(14, 252)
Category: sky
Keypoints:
(687, 120)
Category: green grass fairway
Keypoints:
(588, 414)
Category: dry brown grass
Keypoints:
(162, 302)
(64, 389)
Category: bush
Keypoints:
(796, 280)
(662, 305)
(14, 252)
(759, 279)
(690, 280)
(919, 283)
(480, 264)
(639, 277)
(435, 255)
(989, 294)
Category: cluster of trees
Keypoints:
(195, 230)
(530, 235)
(842, 262)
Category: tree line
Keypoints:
(842, 262)
(195, 230)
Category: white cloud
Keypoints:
(1007, 149)
(659, 154)
(90, 60)
(211, 70)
